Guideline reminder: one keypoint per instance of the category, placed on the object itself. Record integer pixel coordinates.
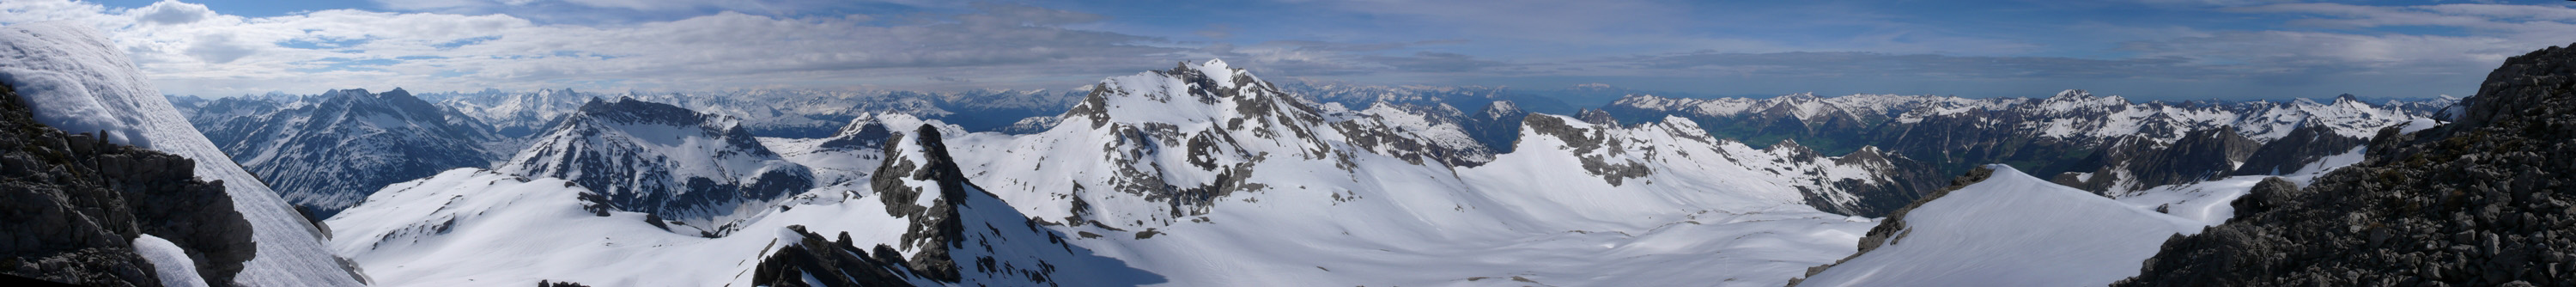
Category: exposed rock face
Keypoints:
(2307, 144)
(75, 204)
(2484, 201)
(935, 227)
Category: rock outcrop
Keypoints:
(75, 203)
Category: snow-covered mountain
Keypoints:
(327, 152)
(2070, 132)
(917, 221)
(1206, 161)
(74, 79)
(664, 160)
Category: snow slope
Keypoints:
(78, 82)
(2012, 230)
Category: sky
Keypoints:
(2145, 49)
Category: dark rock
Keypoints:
(835, 264)
(2478, 202)
(75, 204)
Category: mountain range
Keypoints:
(1206, 174)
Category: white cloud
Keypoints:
(171, 12)
(219, 55)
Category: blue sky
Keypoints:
(2149, 49)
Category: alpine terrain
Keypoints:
(831, 143)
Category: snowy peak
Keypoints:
(1204, 93)
(662, 159)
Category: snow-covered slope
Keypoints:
(77, 81)
(2011, 229)
(329, 152)
(476, 227)
(664, 160)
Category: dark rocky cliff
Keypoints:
(72, 205)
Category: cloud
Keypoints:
(219, 49)
(1437, 62)
(215, 54)
(173, 12)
